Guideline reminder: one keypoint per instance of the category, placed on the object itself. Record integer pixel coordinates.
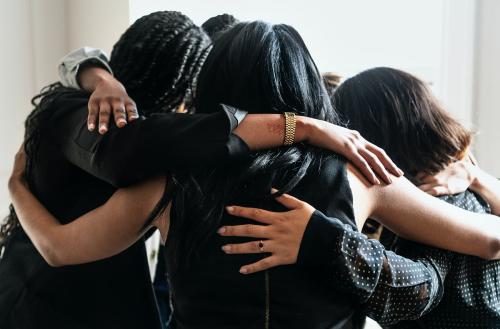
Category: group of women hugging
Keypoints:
(260, 173)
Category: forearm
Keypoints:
(89, 77)
(488, 187)
(378, 279)
(417, 216)
(264, 131)
(36, 221)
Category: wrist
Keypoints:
(90, 78)
(474, 176)
(305, 129)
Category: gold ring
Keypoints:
(261, 246)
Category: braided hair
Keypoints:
(157, 59)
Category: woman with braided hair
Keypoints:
(72, 170)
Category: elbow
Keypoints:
(52, 255)
(492, 250)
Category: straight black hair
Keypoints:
(261, 68)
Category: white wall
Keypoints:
(487, 85)
(96, 23)
(17, 82)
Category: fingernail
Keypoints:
(377, 181)
(226, 248)
(102, 128)
(401, 172)
(221, 230)
(273, 190)
(122, 122)
(230, 209)
(91, 127)
(243, 271)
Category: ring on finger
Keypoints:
(261, 246)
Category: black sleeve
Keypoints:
(146, 146)
(389, 288)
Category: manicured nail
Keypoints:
(226, 248)
(221, 230)
(230, 209)
(91, 127)
(243, 270)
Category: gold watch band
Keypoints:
(290, 123)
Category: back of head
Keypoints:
(158, 59)
(261, 68)
(218, 24)
(332, 81)
(398, 112)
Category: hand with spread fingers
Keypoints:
(370, 159)
(109, 99)
(280, 237)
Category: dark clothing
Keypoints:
(76, 171)
(393, 289)
(211, 293)
(387, 287)
(471, 285)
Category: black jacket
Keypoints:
(76, 171)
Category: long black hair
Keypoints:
(261, 68)
(157, 59)
(398, 112)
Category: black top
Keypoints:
(211, 293)
(76, 171)
(471, 284)
(392, 288)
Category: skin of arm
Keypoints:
(417, 216)
(98, 234)
(109, 98)
(401, 206)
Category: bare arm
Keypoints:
(98, 234)
(417, 216)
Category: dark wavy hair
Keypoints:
(261, 68)
(157, 59)
(398, 112)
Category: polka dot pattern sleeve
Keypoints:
(389, 287)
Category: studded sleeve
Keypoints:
(389, 288)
